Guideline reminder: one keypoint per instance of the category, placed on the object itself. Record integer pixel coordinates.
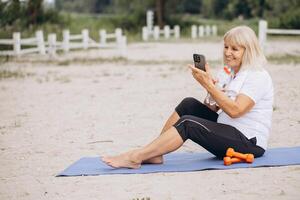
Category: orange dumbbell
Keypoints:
(229, 161)
(249, 158)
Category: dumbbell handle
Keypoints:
(229, 161)
(247, 157)
(240, 155)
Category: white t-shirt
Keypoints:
(256, 84)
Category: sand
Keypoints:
(54, 112)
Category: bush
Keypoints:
(132, 22)
(290, 19)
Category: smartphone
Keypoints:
(199, 61)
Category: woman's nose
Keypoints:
(227, 52)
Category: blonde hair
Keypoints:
(244, 36)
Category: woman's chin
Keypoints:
(228, 63)
(231, 65)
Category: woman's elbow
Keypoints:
(239, 109)
(236, 113)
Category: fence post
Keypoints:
(201, 31)
(17, 43)
(214, 30)
(167, 31)
(40, 42)
(207, 30)
(103, 37)
(52, 44)
(85, 38)
(149, 20)
(122, 46)
(262, 32)
(118, 33)
(176, 31)
(156, 33)
(66, 40)
(145, 33)
(194, 32)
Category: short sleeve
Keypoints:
(256, 85)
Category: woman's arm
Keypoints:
(234, 109)
(213, 107)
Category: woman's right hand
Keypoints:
(208, 102)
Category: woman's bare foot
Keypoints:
(155, 160)
(126, 160)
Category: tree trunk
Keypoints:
(35, 8)
(160, 14)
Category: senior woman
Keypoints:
(241, 119)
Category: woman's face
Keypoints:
(233, 55)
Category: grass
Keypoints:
(143, 198)
(94, 22)
(284, 59)
(63, 79)
(276, 59)
(284, 37)
(275, 108)
(222, 25)
(125, 61)
(91, 60)
(6, 74)
(4, 59)
(67, 62)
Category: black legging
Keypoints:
(199, 123)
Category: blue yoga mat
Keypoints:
(183, 162)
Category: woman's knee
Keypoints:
(185, 118)
(189, 101)
(186, 106)
(182, 126)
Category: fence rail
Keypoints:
(6, 41)
(282, 31)
(202, 31)
(167, 32)
(263, 31)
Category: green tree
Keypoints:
(278, 7)
(100, 5)
(35, 11)
(257, 7)
(283, 14)
(219, 7)
(90, 6)
(10, 12)
(183, 6)
(130, 15)
(207, 8)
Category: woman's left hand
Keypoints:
(203, 77)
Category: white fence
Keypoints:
(17, 43)
(201, 31)
(154, 32)
(263, 30)
(76, 41)
(167, 32)
(150, 20)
